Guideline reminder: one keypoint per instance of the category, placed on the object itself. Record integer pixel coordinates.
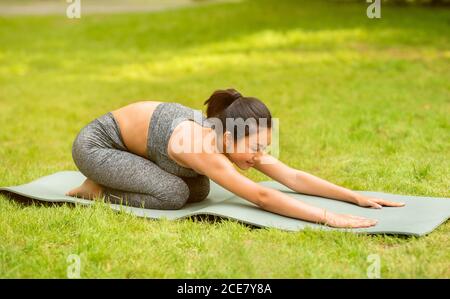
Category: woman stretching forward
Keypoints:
(161, 155)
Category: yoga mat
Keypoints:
(418, 217)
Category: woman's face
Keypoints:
(249, 149)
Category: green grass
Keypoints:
(362, 103)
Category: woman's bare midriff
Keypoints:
(133, 121)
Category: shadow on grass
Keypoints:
(27, 201)
(201, 218)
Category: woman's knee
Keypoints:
(188, 190)
(199, 188)
(80, 152)
(175, 196)
(88, 157)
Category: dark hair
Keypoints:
(229, 103)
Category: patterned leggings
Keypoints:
(100, 154)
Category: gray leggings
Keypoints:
(100, 154)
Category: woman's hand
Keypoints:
(376, 203)
(347, 221)
(352, 221)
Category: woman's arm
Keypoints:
(306, 183)
(219, 169)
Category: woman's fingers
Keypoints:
(356, 217)
(370, 202)
(350, 221)
(364, 223)
(379, 202)
(392, 203)
(357, 221)
(388, 203)
(375, 205)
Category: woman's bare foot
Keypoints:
(88, 190)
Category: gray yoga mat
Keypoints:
(418, 217)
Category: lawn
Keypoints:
(363, 103)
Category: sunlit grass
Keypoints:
(362, 103)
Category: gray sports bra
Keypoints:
(165, 118)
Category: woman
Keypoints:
(130, 156)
